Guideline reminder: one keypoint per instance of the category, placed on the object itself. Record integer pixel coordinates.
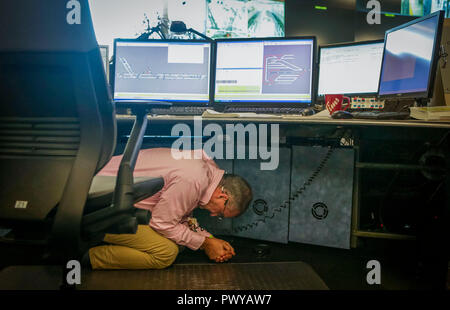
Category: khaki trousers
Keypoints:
(144, 250)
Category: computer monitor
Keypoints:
(176, 71)
(410, 56)
(265, 71)
(350, 69)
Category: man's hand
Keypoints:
(230, 252)
(217, 250)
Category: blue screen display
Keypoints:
(265, 70)
(408, 58)
(175, 70)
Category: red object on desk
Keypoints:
(336, 103)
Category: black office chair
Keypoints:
(58, 129)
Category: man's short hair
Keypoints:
(239, 191)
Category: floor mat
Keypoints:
(230, 276)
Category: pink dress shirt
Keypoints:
(188, 183)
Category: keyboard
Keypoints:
(380, 115)
(181, 110)
(264, 110)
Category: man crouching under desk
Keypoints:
(188, 184)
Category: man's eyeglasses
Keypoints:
(221, 215)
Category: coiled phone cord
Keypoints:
(292, 197)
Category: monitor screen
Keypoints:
(217, 19)
(421, 8)
(165, 70)
(351, 69)
(240, 19)
(264, 70)
(409, 58)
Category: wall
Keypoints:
(340, 22)
(336, 24)
(364, 31)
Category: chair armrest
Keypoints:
(123, 198)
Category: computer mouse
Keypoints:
(341, 115)
(308, 112)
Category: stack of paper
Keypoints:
(214, 114)
(321, 115)
(441, 113)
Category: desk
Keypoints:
(300, 121)
(307, 127)
(363, 132)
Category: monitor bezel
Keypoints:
(269, 103)
(434, 59)
(358, 94)
(174, 102)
